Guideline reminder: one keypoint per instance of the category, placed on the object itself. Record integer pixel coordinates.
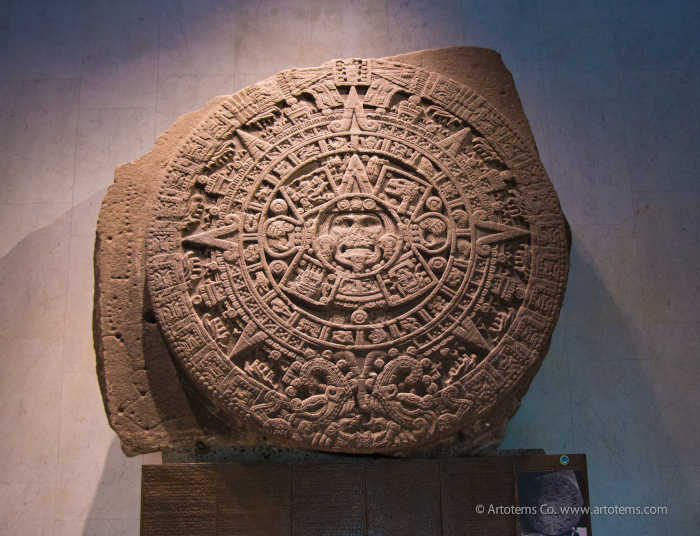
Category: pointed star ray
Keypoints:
(255, 146)
(454, 143)
(495, 232)
(354, 118)
(355, 178)
(250, 336)
(214, 238)
(469, 333)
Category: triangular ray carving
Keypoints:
(256, 146)
(249, 337)
(355, 178)
(354, 118)
(496, 232)
(469, 333)
(454, 143)
(213, 238)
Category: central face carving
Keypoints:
(357, 235)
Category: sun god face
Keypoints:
(357, 239)
(355, 236)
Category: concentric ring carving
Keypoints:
(361, 256)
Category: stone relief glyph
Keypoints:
(362, 256)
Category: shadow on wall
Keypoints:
(59, 441)
(116, 502)
(594, 394)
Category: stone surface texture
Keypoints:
(366, 256)
(610, 93)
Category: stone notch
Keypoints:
(366, 256)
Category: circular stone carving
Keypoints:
(362, 256)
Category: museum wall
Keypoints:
(611, 95)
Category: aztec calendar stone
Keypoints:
(361, 257)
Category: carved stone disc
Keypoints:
(362, 256)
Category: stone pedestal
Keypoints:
(357, 496)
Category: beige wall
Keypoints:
(611, 93)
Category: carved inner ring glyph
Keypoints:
(347, 256)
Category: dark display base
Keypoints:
(360, 496)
